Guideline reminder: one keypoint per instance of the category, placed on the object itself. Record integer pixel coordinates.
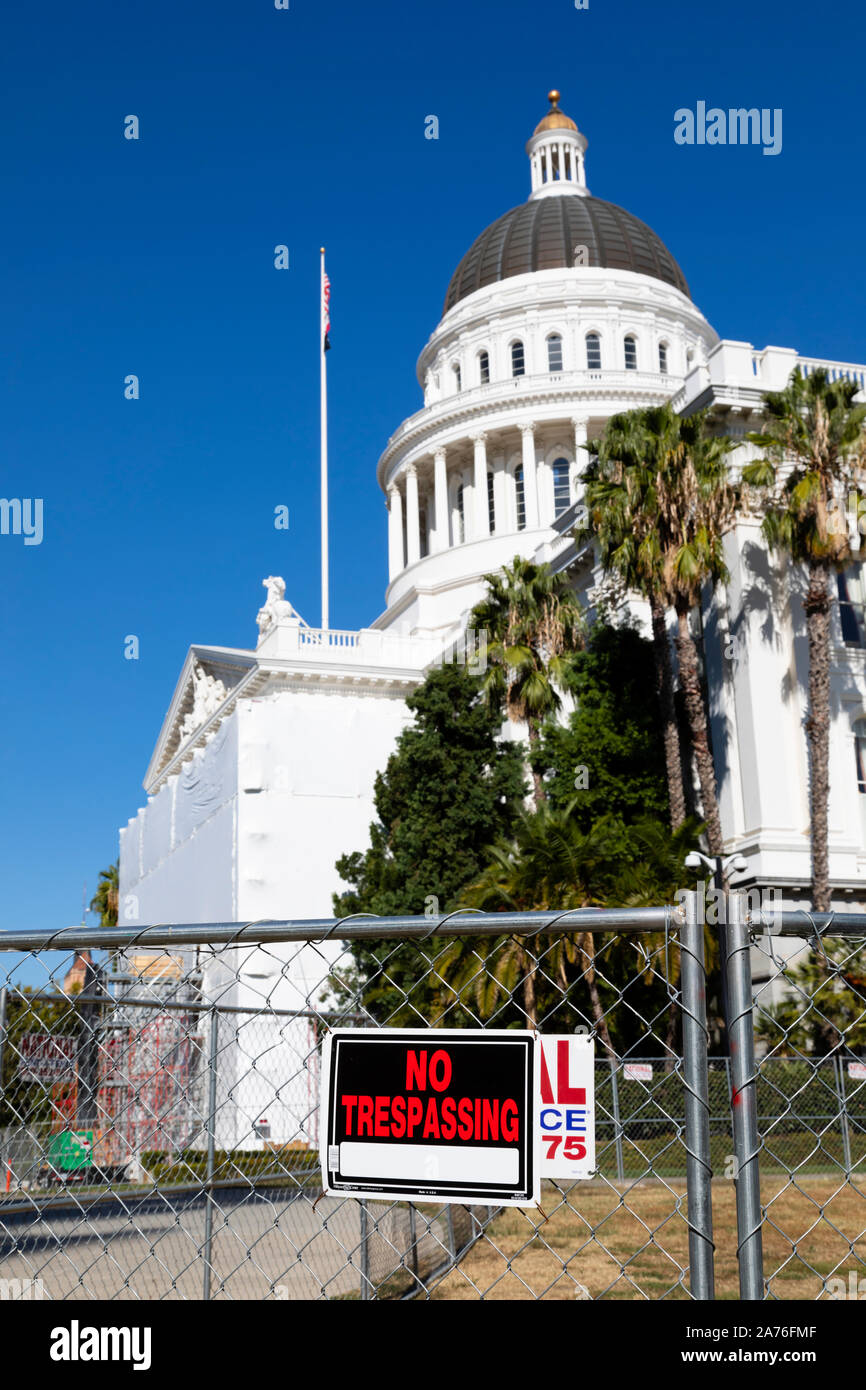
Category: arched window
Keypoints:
(458, 377)
(554, 353)
(483, 368)
(461, 517)
(517, 364)
(852, 611)
(561, 487)
(520, 497)
(491, 509)
(630, 354)
(663, 358)
(593, 352)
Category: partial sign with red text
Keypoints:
(435, 1114)
(566, 1114)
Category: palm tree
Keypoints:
(660, 501)
(534, 626)
(814, 447)
(105, 898)
(620, 516)
(550, 863)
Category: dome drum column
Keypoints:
(396, 562)
(413, 526)
(530, 480)
(480, 514)
(440, 491)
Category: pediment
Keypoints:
(206, 689)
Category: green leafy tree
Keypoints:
(608, 759)
(534, 627)
(450, 788)
(814, 449)
(551, 862)
(621, 510)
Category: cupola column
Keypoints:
(413, 529)
(530, 482)
(481, 517)
(440, 490)
(395, 532)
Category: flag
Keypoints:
(326, 310)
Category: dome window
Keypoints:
(461, 517)
(491, 508)
(593, 352)
(663, 358)
(554, 353)
(458, 377)
(561, 487)
(518, 367)
(630, 354)
(483, 368)
(520, 498)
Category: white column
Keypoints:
(500, 496)
(440, 485)
(395, 532)
(581, 456)
(481, 517)
(413, 547)
(530, 483)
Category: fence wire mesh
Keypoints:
(159, 1118)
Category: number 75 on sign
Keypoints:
(566, 1110)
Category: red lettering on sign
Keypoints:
(416, 1071)
(398, 1117)
(414, 1112)
(546, 1088)
(431, 1121)
(510, 1120)
(365, 1115)
(489, 1120)
(382, 1128)
(441, 1060)
(449, 1118)
(464, 1114)
(350, 1102)
(565, 1093)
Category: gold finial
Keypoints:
(553, 98)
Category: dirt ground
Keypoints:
(814, 1230)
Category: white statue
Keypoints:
(276, 608)
(208, 695)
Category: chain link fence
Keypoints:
(159, 1116)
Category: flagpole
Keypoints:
(324, 439)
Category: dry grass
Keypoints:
(631, 1242)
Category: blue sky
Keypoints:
(155, 257)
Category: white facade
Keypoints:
(263, 773)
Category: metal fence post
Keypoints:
(365, 1254)
(617, 1121)
(413, 1237)
(744, 1101)
(211, 1127)
(697, 1107)
(4, 995)
(839, 1069)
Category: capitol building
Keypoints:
(564, 311)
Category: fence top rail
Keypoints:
(357, 928)
(808, 924)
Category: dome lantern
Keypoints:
(556, 152)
